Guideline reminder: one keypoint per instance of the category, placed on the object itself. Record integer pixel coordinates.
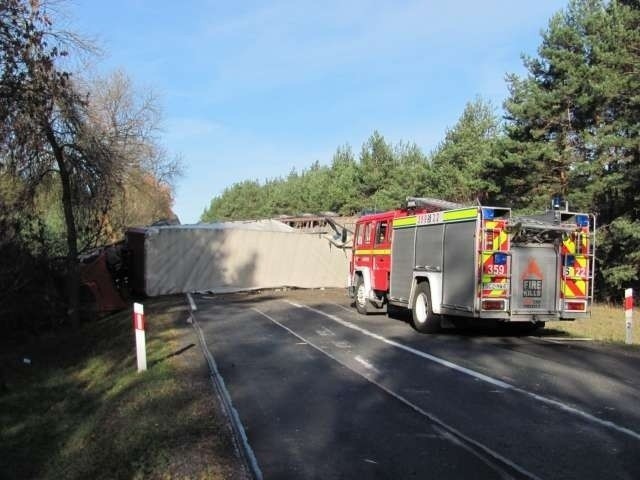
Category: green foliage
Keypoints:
(243, 200)
(381, 178)
(68, 148)
(573, 128)
(459, 161)
(30, 293)
(344, 188)
(619, 255)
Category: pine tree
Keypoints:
(458, 162)
(573, 127)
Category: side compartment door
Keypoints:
(459, 267)
(402, 262)
(381, 255)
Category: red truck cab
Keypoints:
(372, 247)
(370, 267)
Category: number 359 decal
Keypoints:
(495, 269)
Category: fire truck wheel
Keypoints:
(362, 302)
(423, 319)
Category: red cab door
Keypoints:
(381, 254)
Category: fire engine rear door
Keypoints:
(534, 279)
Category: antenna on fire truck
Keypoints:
(435, 204)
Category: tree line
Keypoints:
(571, 127)
(80, 159)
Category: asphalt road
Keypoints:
(323, 392)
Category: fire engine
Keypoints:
(443, 261)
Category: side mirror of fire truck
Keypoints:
(344, 235)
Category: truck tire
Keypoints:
(422, 317)
(362, 302)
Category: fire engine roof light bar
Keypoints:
(432, 203)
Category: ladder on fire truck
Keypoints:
(495, 258)
(434, 204)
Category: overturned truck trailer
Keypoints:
(230, 257)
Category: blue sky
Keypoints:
(252, 89)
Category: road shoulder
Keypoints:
(79, 409)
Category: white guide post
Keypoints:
(138, 325)
(628, 314)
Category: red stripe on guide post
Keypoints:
(628, 315)
(138, 316)
(138, 321)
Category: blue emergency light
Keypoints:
(556, 202)
(499, 258)
(569, 260)
(488, 213)
(582, 220)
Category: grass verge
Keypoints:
(607, 324)
(80, 410)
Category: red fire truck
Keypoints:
(443, 260)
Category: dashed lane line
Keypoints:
(491, 458)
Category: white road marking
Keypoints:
(477, 375)
(192, 304)
(451, 432)
(342, 307)
(561, 339)
(547, 340)
(366, 364)
(325, 332)
(240, 440)
(342, 344)
(370, 461)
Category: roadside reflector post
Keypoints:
(138, 326)
(628, 314)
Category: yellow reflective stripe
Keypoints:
(463, 214)
(404, 222)
(450, 216)
(569, 244)
(574, 288)
(495, 294)
(504, 241)
(374, 251)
